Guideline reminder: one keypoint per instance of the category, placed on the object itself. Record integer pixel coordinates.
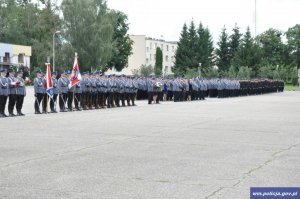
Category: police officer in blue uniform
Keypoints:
(12, 82)
(70, 92)
(53, 101)
(78, 96)
(21, 93)
(63, 84)
(4, 92)
(39, 93)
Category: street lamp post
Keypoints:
(57, 32)
(199, 69)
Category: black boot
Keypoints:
(20, 113)
(12, 114)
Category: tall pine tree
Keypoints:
(223, 56)
(248, 54)
(204, 46)
(182, 52)
(234, 43)
(192, 40)
(158, 61)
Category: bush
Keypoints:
(265, 72)
(210, 72)
(244, 72)
(190, 73)
(144, 71)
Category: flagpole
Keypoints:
(48, 61)
(76, 56)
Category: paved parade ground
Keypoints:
(217, 148)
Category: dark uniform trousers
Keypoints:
(3, 100)
(150, 97)
(53, 102)
(40, 98)
(128, 97)
(70, 100)
(117, 99)
(122, 98)
(169, 95)
(85, 100)
(62, 101)
(12, 103)
(110, 99)
(101, 96)
(20, 100)
(78, 99)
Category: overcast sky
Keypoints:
(154, 18)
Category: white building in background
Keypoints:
(14, 55)
(144, 53)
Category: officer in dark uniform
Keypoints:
(4, 91)
(21, 92)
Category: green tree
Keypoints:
(204, 47)
(182, 52)
(26, 23)
(244, 72)
(144, 70)
(293, 40)
(271, 47)
(234, 42)
(223, 56)
(158, 61)
(248, 53)
(232, 72)
(89, 31)
(122, 44)
(265, 72)
(210, 72)
(193, 61)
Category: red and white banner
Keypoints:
(75, 75)
(49, 84)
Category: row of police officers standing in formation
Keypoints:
(181, 89)
(96, 90)
(12, 88)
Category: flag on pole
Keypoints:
(49, 84)
(75, 75)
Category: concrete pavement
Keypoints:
(217, 148)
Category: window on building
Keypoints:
(166, 69)
(147, 49)
(162, 47)
(147, 60)
(150, 46)
(21, 58)
(6, 58)
(150, 57)
(173, 49)
(167, 47)
(167, 58)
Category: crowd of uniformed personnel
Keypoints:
(12, 88)
(182, 89)
(97, 90)
(94, 91)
